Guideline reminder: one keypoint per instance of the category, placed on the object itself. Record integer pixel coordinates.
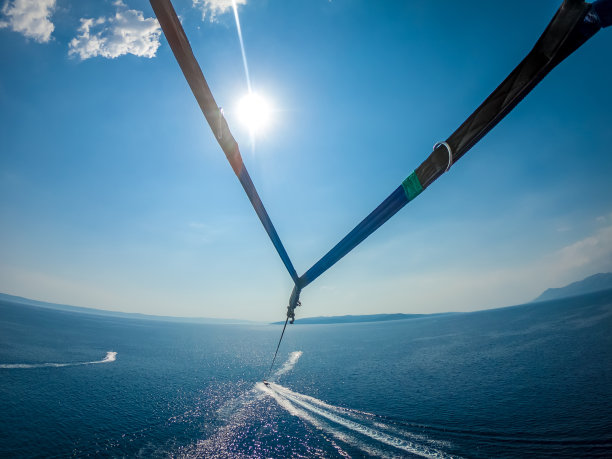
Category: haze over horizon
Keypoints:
(115, 194)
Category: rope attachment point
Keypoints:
(294, 302)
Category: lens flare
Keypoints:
(254, 112)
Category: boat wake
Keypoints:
(362, 430)
(110, 357)
(350, 432)
(287, 366)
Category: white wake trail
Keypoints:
(356, 415)
(111, 356)
(353, 420)
(235, 405)
(237, 415)
(288, 365)
(363, 431)
(318, 423)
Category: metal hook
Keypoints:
(450, 153)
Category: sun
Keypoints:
(254, 112)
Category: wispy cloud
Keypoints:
(213, 8)
(30, 18)
(205, 233)
(447, 285)
(519, 283)
(593, 251)
(127, 32)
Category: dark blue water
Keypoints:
(531, 380)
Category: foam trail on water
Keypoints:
(359, 416)
(355, 421)
(288, 365)
(111, 356)
(318, 423)
(237, 415)
(364, 431)
(234, 405)
(359, 429)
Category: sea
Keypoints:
(525, 381)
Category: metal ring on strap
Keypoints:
(450, 153)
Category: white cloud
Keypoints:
(127, 32)
(446, 285)
(29, 17)
(205, 233)
(593, 251)
(213, 8)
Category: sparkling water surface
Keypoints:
(533, 380)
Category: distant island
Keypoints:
(349, 319)
(594, 283)
(591, 284)
(123, 315)
(203, 320)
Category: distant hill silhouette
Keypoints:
(124, 315)
(349, 319)
(594, 283)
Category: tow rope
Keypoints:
(277, 347)
(574, 23)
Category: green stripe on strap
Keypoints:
(412, 186)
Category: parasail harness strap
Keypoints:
(573, 24)
(173, 30)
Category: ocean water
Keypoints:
(533, 380)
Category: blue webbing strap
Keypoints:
(402, 195)
(387, 209)
(251, 192)
(574, 23)
(603, 8)
(193, 74)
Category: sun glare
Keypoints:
(254, 112)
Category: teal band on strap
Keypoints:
(412, 186)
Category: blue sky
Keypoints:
(114, 193)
